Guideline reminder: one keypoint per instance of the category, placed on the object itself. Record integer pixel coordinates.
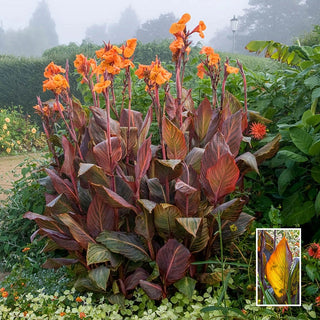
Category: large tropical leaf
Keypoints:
(223, 177)
(301, 138)
(173, 260)
(100, 117)
(108, 159)
(230, 210)
(153, 290)
(93, 174)
(69, 155)
(174, 139)
(112, 198)
(191, 225)
(167, 170)
(165, 215)
(232, 131)
(268, 150)
(200, 241)
(128, 245)
(278, 269)
(194, 157)
(143, 160)
(202, 118)
(100, 217)
(78, 233)
(143, 132)
(132, 281)
(135, 118)
(100, 276)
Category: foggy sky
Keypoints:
(72, 17)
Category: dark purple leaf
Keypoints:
(132, 281)
(173, 260)
(100, 116)
(143, 160)
(153, 291)
(202, 118)
(69, 155)
(135, 117)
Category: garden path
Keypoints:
(9, 170)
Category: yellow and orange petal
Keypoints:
(201, 70)
(5, 294)
(130, 47)
(207, 50)
(176, 45)
(52, 70)
(180, 25)
(143, 71)
(200, 28)
(103, 84)
(57, 84)
(25, 249)
(82, 315)
(258, 130)
(214, 59)
(230, 69)
(78, 299)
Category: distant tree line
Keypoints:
(284, 21)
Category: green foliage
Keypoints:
(26, 194)
(17, 133)
(311, 38)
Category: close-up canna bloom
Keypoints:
(5, 294)
(57, 84)
(180, 25)
(129, 48)
(258, 130)
(52, 70)
(84, 66)
(102, 85)
(231, 69)
(200, 28)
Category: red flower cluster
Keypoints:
(314, 250)
(258, 130)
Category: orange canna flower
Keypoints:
(176, 45)
(258, 130)
(130, 47)
(78, 299)
(214, 59)
(199, 28)
(207, 50)
(57, 84)
(25, 249)
(201, 70)
(143, 71)
(230, 69)
(103, 84)
(52, 70)
(5, 294)
(62, 314)
(82, 315)
(83, 65)
(180, 25)
(158, 74)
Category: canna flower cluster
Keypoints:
(154, 74)
(210, 65)
(55, 82)
(181, 44)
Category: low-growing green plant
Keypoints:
(136, 214)
(18, 133)
(26, 194)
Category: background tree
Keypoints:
(96, 33)
(156, 29)
(39, 35)
(125, 28)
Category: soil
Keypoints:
(10, 170)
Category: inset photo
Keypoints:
(278, 267)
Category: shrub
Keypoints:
(18, 133)
(132, 213)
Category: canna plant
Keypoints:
(129, 212)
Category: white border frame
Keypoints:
(256, 273)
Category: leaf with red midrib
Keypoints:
(223, 176)
(69, 155)
(202, 118)
(173, 260)
(144, 157)
(174, 139)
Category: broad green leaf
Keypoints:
(97, 253)
(100, 276)
(186, 286)
(191, 225)
(256, 46)
(315, 149)
(292, 156)
(302, 139)
(317, 204)
(315, 173)
(313, 81)
(301, 214)
(286, 176)
(165, 219)
(313, 120)
(311, 271)
(128, 245)
(278, 268)
(315, 93)
(174, 139)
